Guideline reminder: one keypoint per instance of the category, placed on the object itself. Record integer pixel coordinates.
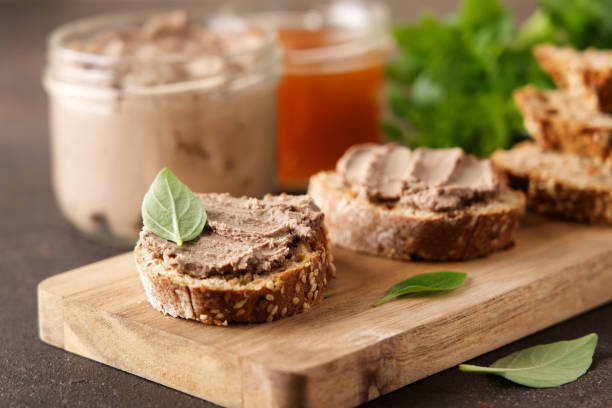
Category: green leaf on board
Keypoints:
(171, 211)
(546, 365)
(425, 283)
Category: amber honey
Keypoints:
(325, 104)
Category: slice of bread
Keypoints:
(587, 74)
(558, 184)
(559, 121)
(293, 289)
(410, 233)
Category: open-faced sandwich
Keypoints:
(428, 204)
(252, 261)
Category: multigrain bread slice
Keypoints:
(559, 121)
(265, 297)
(557, 184)
(410, 233)
(586, 74)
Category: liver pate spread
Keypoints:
(242, 235)
(432, 179)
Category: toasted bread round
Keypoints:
(241, 298)
(410, 233)
(559, 184)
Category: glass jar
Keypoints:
(329, 97)
(118, 117)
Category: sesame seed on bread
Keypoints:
(226, 274)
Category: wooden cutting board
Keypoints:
(344, 352)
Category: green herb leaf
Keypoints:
(171, 211)
(450, 82)
(546, 365)
(424, 283)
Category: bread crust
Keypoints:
(269, 297)
(570, 129)
(359, 225)
(580, 73)
(558, 197)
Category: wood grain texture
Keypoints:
(344, 352)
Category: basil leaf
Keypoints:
(546, 365)
(171, 211)
(425, 282)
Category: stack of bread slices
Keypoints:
(567, 170)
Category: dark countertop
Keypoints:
(35, 243)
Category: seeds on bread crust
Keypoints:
(245, 303)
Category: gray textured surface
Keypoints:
(35, 374)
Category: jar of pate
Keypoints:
(130, 94)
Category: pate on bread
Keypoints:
(430, 204)
(255, 261)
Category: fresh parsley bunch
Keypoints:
(451, 81)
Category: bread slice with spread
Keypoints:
(559, 184)
(255, 261)
(441, 205)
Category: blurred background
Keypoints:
(26, 24)
(312, 134)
